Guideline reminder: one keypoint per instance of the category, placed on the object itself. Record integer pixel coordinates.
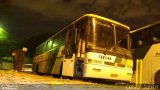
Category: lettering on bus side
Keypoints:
(104, 57)
(39, 58)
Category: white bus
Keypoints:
(90, 47)
(146, 47)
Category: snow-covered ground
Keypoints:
(12, 80)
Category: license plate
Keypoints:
(96, 70)
(114, 75)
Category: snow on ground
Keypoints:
(12, 80)
(13, 77)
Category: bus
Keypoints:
(146, 47)
(90, 47)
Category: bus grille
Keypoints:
(109, 63)
(120, 65)
(97, 61)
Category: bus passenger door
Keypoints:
(69, 57)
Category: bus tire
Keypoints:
(37, 69)
(58, 75)
(157, 78)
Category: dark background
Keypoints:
(26, 18)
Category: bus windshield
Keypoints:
(98, 35)
(101, 36)
(122, 36)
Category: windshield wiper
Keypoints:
(114, 46)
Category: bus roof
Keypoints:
(103, 18)
(147, 26)
(95, 16)
(89, 15)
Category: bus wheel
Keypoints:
(37, 69)
(157, 78)
(58, 75)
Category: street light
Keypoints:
(3, 33)
(7, 43)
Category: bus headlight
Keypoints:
(97, 61)
(89, 61)
(129, 74)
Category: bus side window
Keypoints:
(44, 47)
(49, 44)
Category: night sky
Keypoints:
(26, 18)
